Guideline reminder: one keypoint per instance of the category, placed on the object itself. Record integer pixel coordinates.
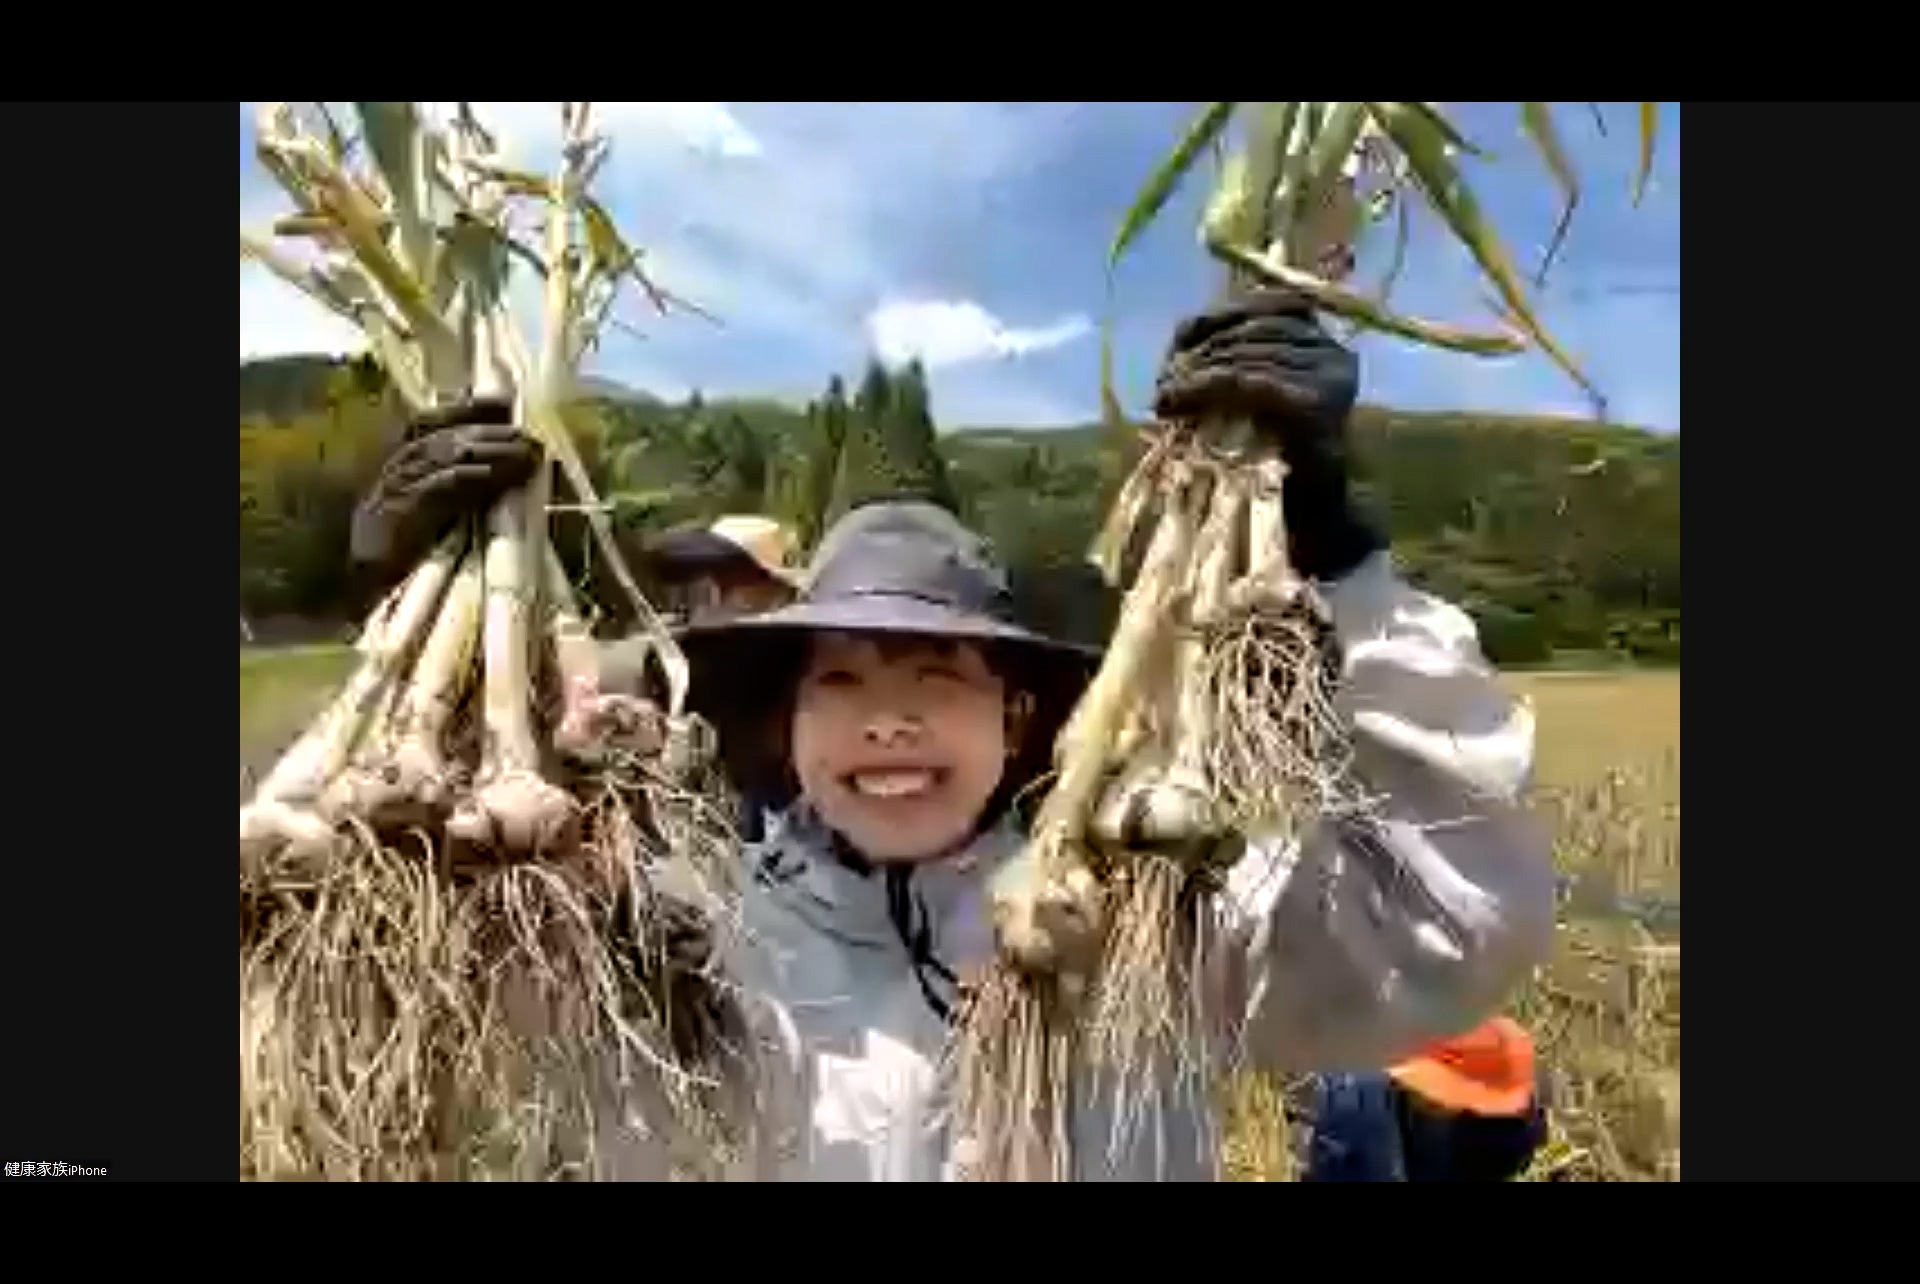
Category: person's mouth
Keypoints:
(891, 784)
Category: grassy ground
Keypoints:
(1606, 1011)
(281, 689)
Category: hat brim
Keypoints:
(875, 613)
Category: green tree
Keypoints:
(912, 458)
(807, 464)
(856, 476)
(890, 449)
(1553, 535)
(300, 476)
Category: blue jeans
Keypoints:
(1356, 1130)
(1366, 1128)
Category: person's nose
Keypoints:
(891, 728)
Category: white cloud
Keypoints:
(951, 333)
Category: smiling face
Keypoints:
(899, 742)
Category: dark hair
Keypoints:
(755, 747)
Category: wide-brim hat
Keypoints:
(897, 567)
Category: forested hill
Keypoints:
(1559, 535)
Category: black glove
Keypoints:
(1265, 358)
(454, 462)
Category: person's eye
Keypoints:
(941, 673)
(835, 678)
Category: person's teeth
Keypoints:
(892, 784)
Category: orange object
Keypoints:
(1486, 1071)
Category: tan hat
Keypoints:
(768, 544)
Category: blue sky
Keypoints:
(975, 234)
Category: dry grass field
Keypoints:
(1606, 1011)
